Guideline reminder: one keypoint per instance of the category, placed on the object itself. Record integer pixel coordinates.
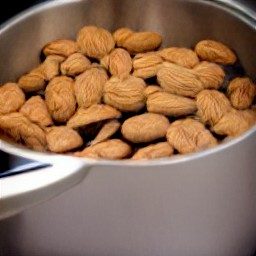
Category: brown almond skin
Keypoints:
(35, 110)
(95, 42)
(154, 151)
(111, 149)
(108, 129)
(179, 80)
(210, 74)
(212, 105)
(17, 126)
(118, 62)
(188, 135)
(89, 86)
(61, 47)
(33, 81)
(61, 139)
(145, 127)
(241, 92)
(74, 65)
(137, 42)
(60, 98)
(93, 114)
(181, 56)
(11, 98)
(126, 95)
(170, 104)
(214, 51)
(235, 122)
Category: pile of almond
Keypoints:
(119, 96)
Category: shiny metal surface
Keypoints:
(201, 204)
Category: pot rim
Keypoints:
(240, 12)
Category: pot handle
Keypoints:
(41, 181)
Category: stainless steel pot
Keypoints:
(199, 204)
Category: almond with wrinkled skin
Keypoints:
(170, 104)
(110, 149)
(89, 86)
(154, 151)
(241, 92)
(179, 80)
(17, 126)
(36, 111)
(210, 74)
(61, 47)
(61, 139)
(214, 51)
(51, 66)
(11, 98)
(152, 89)
(121, 35)
(118, 62)
(188, 135)
(212, 105)
(60, 98)
(126, 95)
(148, 72)
(145, 127)
(93, 114)
(234, 123)
(145, 60)
(95, 42)
(74, 65)
(137, 42)
(33, 81)
(181, 56)
(108, 129)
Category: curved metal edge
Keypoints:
(24, 191)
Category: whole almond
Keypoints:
(181, 56)
(212, 105)
(234, 123)
(36, 111)
(188, 135)
(61, 139)
(241, 92)
(33, 81)
(126, 95)
(11, 98)
(60, 98)
(214, 51)
(110, 149)
(17, 126)
(153, 151)
(89, 86)
(118, 62)
(137, 42)
(145, 127)
(95, 42)
(51, 66)
(148, 72)
(170, 104)
(145, 60)
(74, 65)
(179, 80)
(93, 114)
(61, 47)
(210, 74)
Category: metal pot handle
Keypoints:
(57, 174)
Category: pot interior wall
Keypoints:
(182, 23)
